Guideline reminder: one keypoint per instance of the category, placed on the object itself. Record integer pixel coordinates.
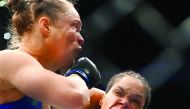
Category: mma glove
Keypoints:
(87, 70)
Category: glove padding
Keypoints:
(87, 70)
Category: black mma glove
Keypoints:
(87, 70)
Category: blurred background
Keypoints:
(151, 37)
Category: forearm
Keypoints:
(79, 86)
(78, 83)
(95, 97)
(65, 92)
(76, 95)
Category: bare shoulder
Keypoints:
(13, 54)
(12, 60)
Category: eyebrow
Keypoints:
(136, 94)
(120, 88)
(78, 22)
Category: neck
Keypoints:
(37, 48)
(41, 56)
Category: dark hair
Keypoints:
(135, 75)
(25, 13)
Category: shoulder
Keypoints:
(15, 56)
(14, 60)
(7, 53)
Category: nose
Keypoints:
(80, 39)
(125, 103)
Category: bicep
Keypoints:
(45, 85)
(27, 75)
(29, 79)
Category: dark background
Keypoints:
(151, 37)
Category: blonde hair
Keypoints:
(25, 12)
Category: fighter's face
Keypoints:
(127, 93)
(67, 39)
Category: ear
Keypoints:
(44, 24)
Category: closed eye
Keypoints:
(77, 25)
(119, 92)
(137, 100)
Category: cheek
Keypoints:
(67, 41)
(108, 101)
(71, 36)
(104, 104)
(71, 41)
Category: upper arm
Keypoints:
(23, 72)
(27, 75)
